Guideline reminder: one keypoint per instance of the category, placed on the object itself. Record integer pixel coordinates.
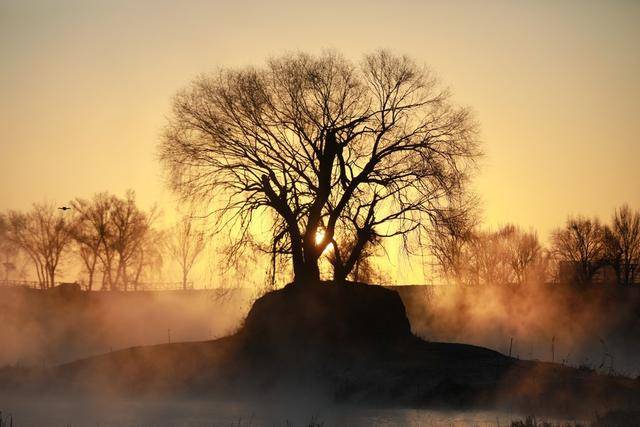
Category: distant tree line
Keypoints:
(580, 252)
(119, 246)
(114, 240)
(590, 246)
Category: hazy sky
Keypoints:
(85, 88)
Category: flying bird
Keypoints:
(64, 208)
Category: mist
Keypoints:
(594, 328)
(54, 327)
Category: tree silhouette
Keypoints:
(117, 234)
(148, 256)
(622, 244)
(185, 244)
(9, 250)
(313, 145)
(508, 255)
(90, 231)
(43, 233)
(580, 242)
(129, 229)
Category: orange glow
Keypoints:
(100, 103)
(319, 238)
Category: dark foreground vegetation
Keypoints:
(347, 343)
(609, 419)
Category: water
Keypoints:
(67, 412)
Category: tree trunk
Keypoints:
(307, 273)
(628, 273)
(52, 276)
(339, 272)
(354, 257)
(92, 270)
(113, 283)
(40, 273)
(90, 285)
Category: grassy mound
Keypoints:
(327, 316)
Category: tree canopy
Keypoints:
(331, 154)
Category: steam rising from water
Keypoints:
(47, 328)
(596, 328)
(544, 322)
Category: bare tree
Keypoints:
(526, 256)
(8, 249)
(148, 256)
(506, 256)
(449, 245)
(186, 243)
(491, 256)
(580, 242)
(622, 244)
(43, 233)
(115, 237)
(318, 144)
(90, 231)
(130, 227)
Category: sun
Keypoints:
(318, 239)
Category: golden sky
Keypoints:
(85, 87)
